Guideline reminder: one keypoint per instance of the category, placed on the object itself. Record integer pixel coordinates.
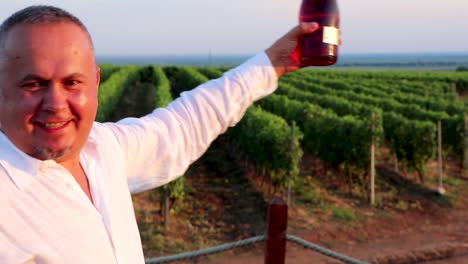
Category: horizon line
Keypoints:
(251, 54)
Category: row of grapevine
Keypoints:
(267, 141)
(386, 90)
(183, 78)
(106, 70)
(211, 72)
(337, 140)
(163, 88)
(344, 139)
(412, 141)
(452, 125)
(112, 90)
(340, 106)
(413, 82)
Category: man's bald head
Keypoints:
(38, 14)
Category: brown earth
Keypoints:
(411, 223)
(436, 233)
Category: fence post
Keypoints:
(372, 165)
(291, 150)
(440, 187)
(465, 156)
(276, 231)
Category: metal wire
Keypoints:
(322, 250)
(252, 240)
(207, 251)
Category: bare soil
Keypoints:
(225, 202)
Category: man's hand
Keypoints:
(283, 54)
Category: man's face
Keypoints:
(49, 83)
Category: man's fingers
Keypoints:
(283, 53)
(309, 27)
(304, 27)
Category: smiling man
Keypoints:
(49, 81)
(65, 180)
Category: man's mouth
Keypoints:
(53, 125)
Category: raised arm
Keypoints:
(160, 146)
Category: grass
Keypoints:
(308, 192)
(450, 181)
(343, 214)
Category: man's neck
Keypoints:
(77, 171)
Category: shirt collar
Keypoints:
(21, 167)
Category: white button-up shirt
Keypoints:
(45, 217)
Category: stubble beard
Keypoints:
(48, 154)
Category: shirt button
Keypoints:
(43, 168)
(45, 165)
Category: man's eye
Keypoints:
(71, 82)
(32, 85)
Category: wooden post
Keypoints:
(465, 158)
(291, 149)
(440, 188)
(372, 165)
(276, 231)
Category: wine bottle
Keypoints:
(319, 48)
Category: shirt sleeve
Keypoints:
(160, 146)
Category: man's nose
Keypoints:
(55, 97)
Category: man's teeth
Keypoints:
(54, 125)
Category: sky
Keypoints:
(167, 27)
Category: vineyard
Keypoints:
(332, 115)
